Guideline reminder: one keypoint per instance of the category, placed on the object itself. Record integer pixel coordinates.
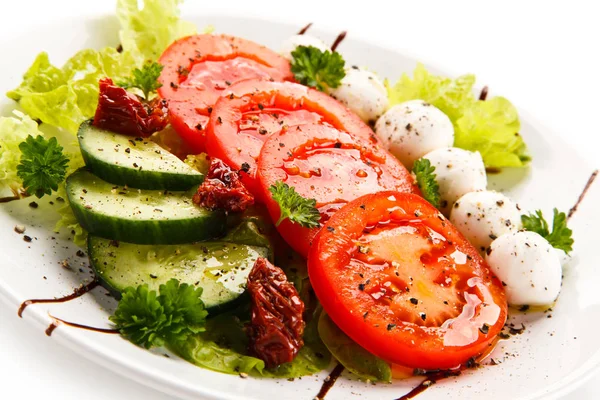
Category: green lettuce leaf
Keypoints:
(352, 356)
(13, 131)
(147, 32)
(492, 128)
(68, 222)
(452, 96)
(67, 96)
(222, 347)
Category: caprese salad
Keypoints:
(262, 212)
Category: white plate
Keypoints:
(549, 359)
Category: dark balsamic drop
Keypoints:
(430, 380)
(57, 321)
(583, 193)
(80, 291)
(330, 381)
(338, 40)
(303, 30)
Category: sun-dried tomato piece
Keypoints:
(123, 112)
(276, 327)
(222, 189)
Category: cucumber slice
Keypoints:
(220, 268)
(135, 162)
(139, 216)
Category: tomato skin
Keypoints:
(374, 324)
(198, 68)
(236, 134)
(347, 167)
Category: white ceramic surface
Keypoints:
(548, 360)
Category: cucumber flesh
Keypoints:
(140, 216)
(220, 268)
(135, 162)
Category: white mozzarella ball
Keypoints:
(414, 128)
(301, 40)
(484, 216)
(458, 172)
(362, 92)
(528, 266)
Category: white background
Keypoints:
(543, 56)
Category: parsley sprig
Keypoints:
(148, 319)
(561, 235)
(316, 68)
(145, 79)
(295, 207)
(42, 166)
(425, 176)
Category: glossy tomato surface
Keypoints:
(327, 165)
(197, 69)
(250, 111)
(397, 277)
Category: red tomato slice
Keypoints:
(330, 166)
(400, 280)
(251, 110)
(198, 68)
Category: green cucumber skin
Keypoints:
(140, 179)
(150, 232)
(106, 272)
(210, 225)
(134, 177)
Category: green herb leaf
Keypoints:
(425, 176)
(561, 235)
(145, 79)
(149, 320)
(140, 317)
(295, 207)
(185, 309)
(13, 131)
(315, 68)
(536, 223)
(42, 166)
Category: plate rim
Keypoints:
(73, 340)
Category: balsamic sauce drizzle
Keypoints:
(591, 180)
(484, 93)
(330, 381)
(338, 40)
(80, 291)
(430, 380)
(303, 30)
(57, 321)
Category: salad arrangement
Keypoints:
(264, 213)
